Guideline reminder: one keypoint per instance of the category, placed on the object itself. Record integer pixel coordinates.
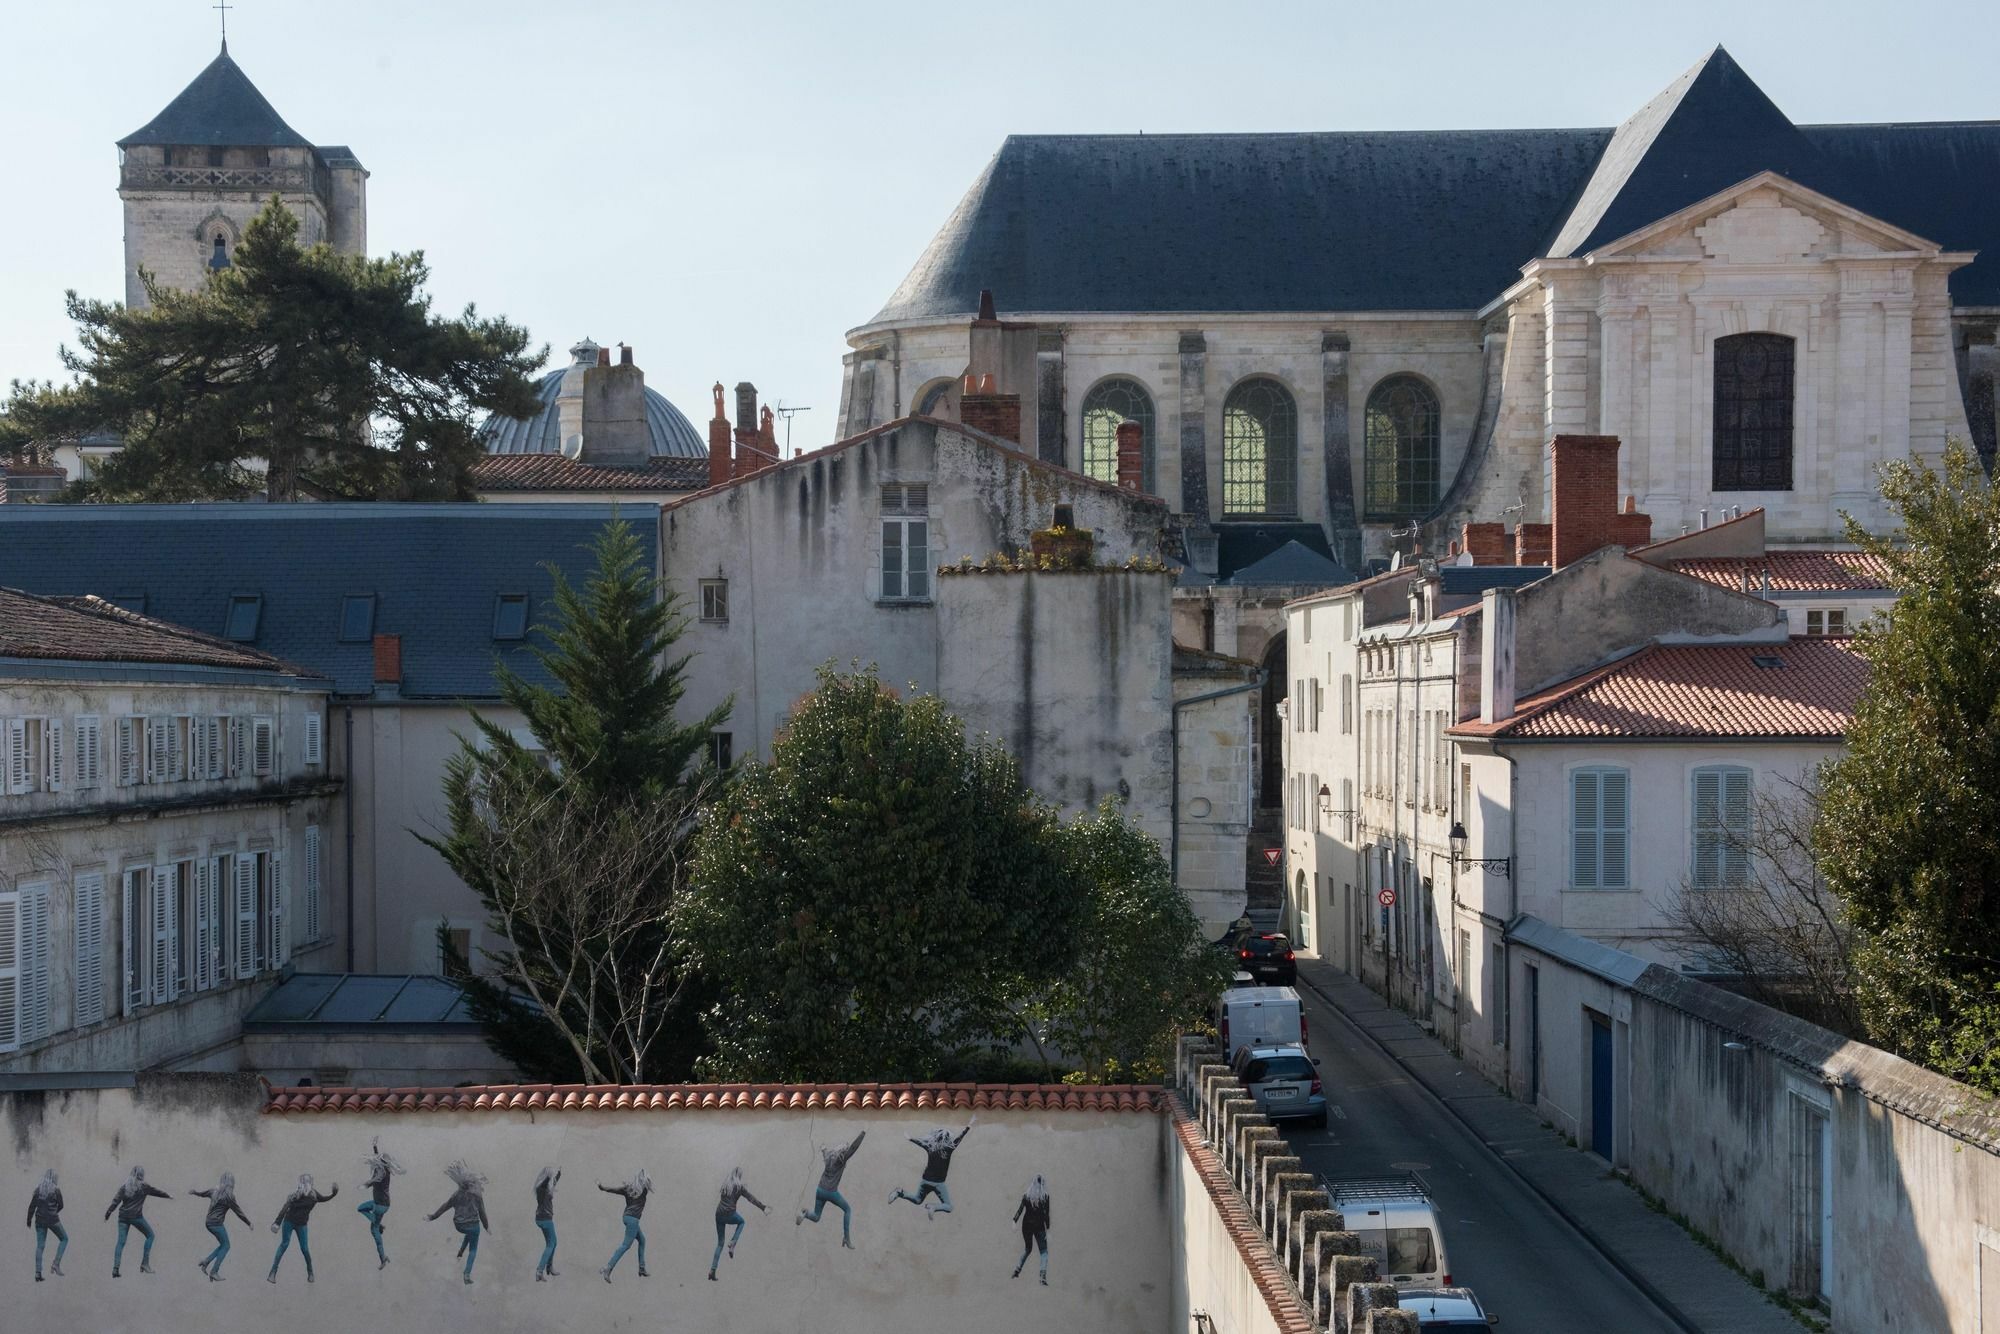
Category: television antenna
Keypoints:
(788, 414)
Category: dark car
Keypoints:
(1446, 1308)
(1267, 957)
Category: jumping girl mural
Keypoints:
(45, 1208)
(467, 1207)
(293, 1217)
(634, 1192)
(833, 1161)
(1033, 1216)
(733, 1190)
(545, 1219)
(938, 1147)
(221, 1203)
(380, 1168)
(130, 1204)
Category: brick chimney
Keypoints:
(1532, 542)
(986, 409)
(752, 451)
(1585, 468)
(1629, 528)
(388, 664)
(1487, 542)
(718, 442)
(1131, 456)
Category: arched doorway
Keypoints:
(1271, 734)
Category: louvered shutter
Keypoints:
(10, 971)
(86, 752)
(132, 950)
(200, 927)
(246, 915)
(128, 751)
(315, 738)
(261, 746)
(87, 924)
(281, 944)
(1585, 814)
(52, 754)
(162, 905)
(1735, 832)
(35, 1008)
(312, 883)
(1614, 800)
(19, 774)
(1707, 828)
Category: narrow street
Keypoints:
(1526, 1264)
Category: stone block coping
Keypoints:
(722, 1097)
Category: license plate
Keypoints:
(1282, 1093)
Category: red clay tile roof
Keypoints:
(88, 629)
(553, 472)
(690, 1097)
(1801, 570)
(1809, 690)
(1266, 1270)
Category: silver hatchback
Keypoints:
(1285, 1082)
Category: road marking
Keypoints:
(1334, 1111)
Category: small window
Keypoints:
(357, 618)
(1827, 621)
(906, 561)
(1599, 828)
(715, 599)
(245, 610)
(510, 616)
(456, 962)
(721, 749)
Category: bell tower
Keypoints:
(193, 177)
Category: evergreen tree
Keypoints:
(1909, 821)
(579, 845)
(298, 359)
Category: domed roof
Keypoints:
(671, 435)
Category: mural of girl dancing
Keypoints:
(833, 1161)
(130, 1205)
(293, 1217)
(1033, 1216)
(381, 1167)
(467, 1207)
(545, 1219)
(733, 1190)
(45, 1208)
(938, 1147)
(634, 1193)
(221, 1203)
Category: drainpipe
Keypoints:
(347, 802)
(1174, 794)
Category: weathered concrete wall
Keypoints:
(1112, 1178)
(1214, 738)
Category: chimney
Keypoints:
(746, 408)
(1585, 468)
(1486, 543)
(388, 664)
(986, 315)
(1532, 544)
(1629, 528)
(604, 356)
(613, 413)
(718, 442)
(1131, 456)
(994, 413)
(624, 354)
(1496, 655)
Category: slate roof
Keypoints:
(1458, 580)
(1805, 688)
(669, 431)
(1292, 564)
(553, 472)
(1241, 548)
(221, 107)
(88, 629)
(1796, 570)
(724, 1097)
(435, 571)
(1413, 220)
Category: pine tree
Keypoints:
(294, 362)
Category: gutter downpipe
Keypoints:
(347, 801)
(1174, 794)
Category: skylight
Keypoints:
(510, 616)
(357, 618)
(245, 610)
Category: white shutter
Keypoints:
(312, 882)
(128, 751)
(246, 915)
(52, 754)
(315, 741)
(261, 746)
(10, 971)
(198, 979)
(1615, 823)
(161, 935)
(34, 965)
(133, 944)
(281, 945)
(236, 765)
(218, 920)
(1707, 831)
(178, 730)
(1584, 813)
(87, 926)
(20, 776)
(87, 754)
(1736, 826)
(218, 756)
(197, 748)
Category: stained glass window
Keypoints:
(1260, 449)
(1753, 412)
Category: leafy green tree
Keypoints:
(1144, 971)
(298, 358)
(1909, 822)
(873, 902)
(579, 845)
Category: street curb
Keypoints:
(1632, 1276)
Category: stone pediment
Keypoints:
(1765, 220)
(1763, 229)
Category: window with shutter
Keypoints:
(36, 1011)
(315, 742)
(177, 730)
(132, 944)
(10, 971)
(262, 747)
(1599, 820)
(245, 908)
(88, 759)
(280, 951)
(1583, 824)
(1721, 833)
(1614, 787)
(163, 903)
(20, 774)
(87, 927)
(237, 767)
(52, 754)
(128, 751)
(312, 906)
(217, 916)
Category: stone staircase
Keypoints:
(1265, 883)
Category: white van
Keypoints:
(1259, 1017)
(1396, 1223)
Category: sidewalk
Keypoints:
(1697, 1290)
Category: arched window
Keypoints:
(1260, 449)
(1753, 412)
(1401, 467)
(1107, 404)
(931, 399)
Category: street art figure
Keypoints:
(733, 1190)
(833, 1162)
(130, 1204)
(634, 1193)
(939, 1145)
(293, 1216)
(221, 1203)
(467, 1207)
(545, 1219)
(380, 1168)
(45, 1208)
(1033, 1216)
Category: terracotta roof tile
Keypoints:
(553, 472)
(1804, 687)
(747, 1097)
(89, 629)
(1800, 570)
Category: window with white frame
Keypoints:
(312, 908)
(715, 599)
(89, 765)
(277, 937)
(1600, 828)
(1312, 800)
(213, 920)
(25, 1012)
(239, 747)
(263, 747)
(135, 946)
(180, 882)
(245, 956)
(87, 941)
(1826, 621)
(17, 759)
(1721, 826)
(131, 751)
(1347, 704)
(315, 743)
(906, 543)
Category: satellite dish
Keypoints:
(572, 445)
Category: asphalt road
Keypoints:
(1525, 1263)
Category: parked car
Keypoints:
(1396, 1223)
(1258, 1016)
(1446, 1308)
(1285, 1082)
(1267, 957)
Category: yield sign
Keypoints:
(1387, 898)
(1272, 856)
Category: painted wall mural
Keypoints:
(938, 1147)
(381, 1167)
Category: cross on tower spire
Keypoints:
(223, 9)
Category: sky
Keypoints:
(731, 188)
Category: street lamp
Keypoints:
(1326, 809)
(1492, 865)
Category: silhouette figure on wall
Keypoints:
(938, 1147)
(130, 1204)
(833, 1161)
(1033, 1216)
(293, 1217)
(634, 1193)
(467, 1207)
(381, 1167)
(733, 1190)
(545, 1219)
(45, 1208)
(221, 1203)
